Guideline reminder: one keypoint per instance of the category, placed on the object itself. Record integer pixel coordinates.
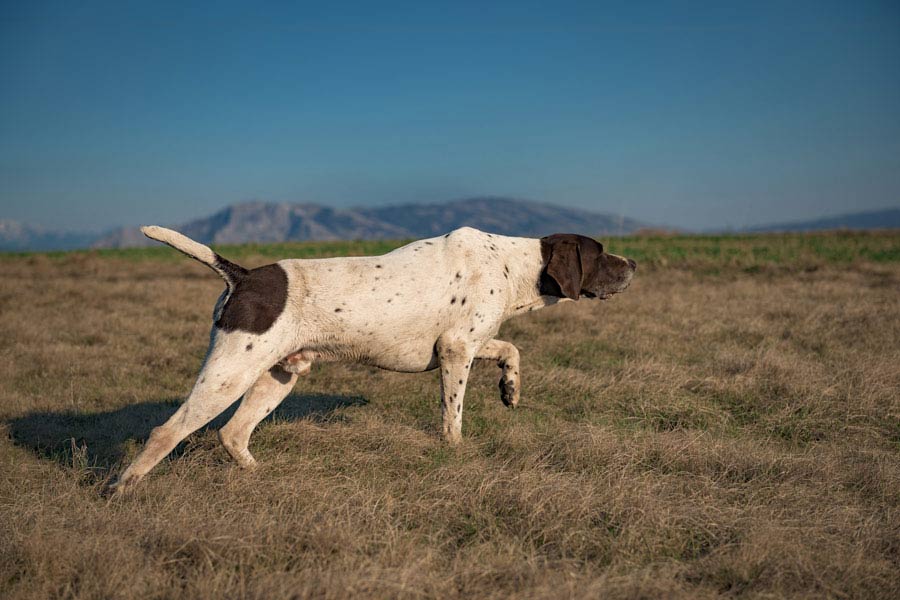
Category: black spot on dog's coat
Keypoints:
(337, 310)
(249, 347)
(453, 300)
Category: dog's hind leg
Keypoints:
(507, 357)
(228, 372)
(267, 393)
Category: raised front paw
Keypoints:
(509, 392)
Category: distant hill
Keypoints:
(16, 236)
(500, 215)
(280, 222)
(877, 219)
(267, 222)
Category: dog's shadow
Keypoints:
(99, 441)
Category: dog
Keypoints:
(432, 304)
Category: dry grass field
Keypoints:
(729, 426)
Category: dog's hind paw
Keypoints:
(120, 488)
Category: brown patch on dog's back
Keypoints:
(257, 301)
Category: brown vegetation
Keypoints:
(710, 432)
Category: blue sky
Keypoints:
(692, 114)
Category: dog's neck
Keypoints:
(525, 278)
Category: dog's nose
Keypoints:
(632, 264)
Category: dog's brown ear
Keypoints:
(589, 250)
(564, 265)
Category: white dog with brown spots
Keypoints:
(435, 303)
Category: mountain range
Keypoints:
(278, 222)
(281, 222)
(20, 236)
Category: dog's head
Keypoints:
(576, 265)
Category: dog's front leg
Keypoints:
(455, 358)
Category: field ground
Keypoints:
(729, 426)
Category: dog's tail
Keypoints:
(230, 272)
